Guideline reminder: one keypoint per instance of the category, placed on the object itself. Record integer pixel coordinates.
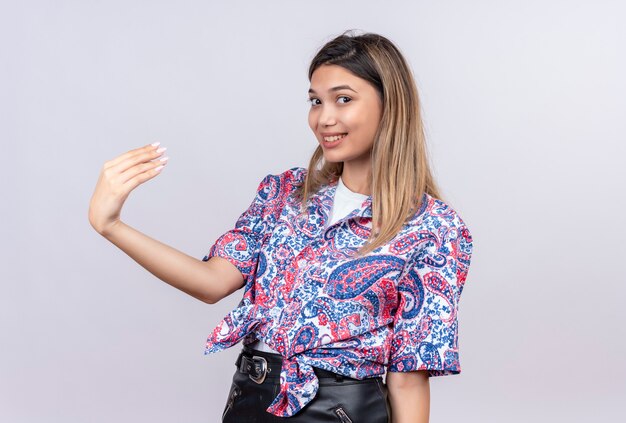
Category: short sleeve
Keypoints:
(425, 333)
(241, 245)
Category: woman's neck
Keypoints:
(355, 177)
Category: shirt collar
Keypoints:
(323, 200)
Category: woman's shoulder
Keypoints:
(294, 174)
(280, 184)
(436, 215)
(288, 179)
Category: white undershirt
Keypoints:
(344, 202)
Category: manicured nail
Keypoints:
(164, 159)
(154, 144)
(161, 149)
(158, 168)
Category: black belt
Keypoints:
(261, 365)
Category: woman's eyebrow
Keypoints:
(337, 88)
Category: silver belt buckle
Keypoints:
(262, 362)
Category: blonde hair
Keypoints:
(400, 172)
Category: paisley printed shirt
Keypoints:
(395, 309)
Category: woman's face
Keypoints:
(344, 115)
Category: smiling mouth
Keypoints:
(334, 138)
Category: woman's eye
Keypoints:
(348, 99)
(312, 101)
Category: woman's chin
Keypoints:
(332, 158)
(332, 161)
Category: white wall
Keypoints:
(524, 103)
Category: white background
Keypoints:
(525, 105)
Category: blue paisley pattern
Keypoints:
(306, 297)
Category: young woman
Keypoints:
(351, 269)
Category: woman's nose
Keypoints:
(327, 116)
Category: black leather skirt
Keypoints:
(339, 399)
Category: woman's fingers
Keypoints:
(145, 175)
(141, 168)
(134, 152)
(138, 158)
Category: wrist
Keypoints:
(109, 230)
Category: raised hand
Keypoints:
(118, 178)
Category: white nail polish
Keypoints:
(154, 144)
(162, 149)
(164, 159)
(158, 168)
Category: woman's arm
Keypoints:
(207, 281)
(409, 396)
